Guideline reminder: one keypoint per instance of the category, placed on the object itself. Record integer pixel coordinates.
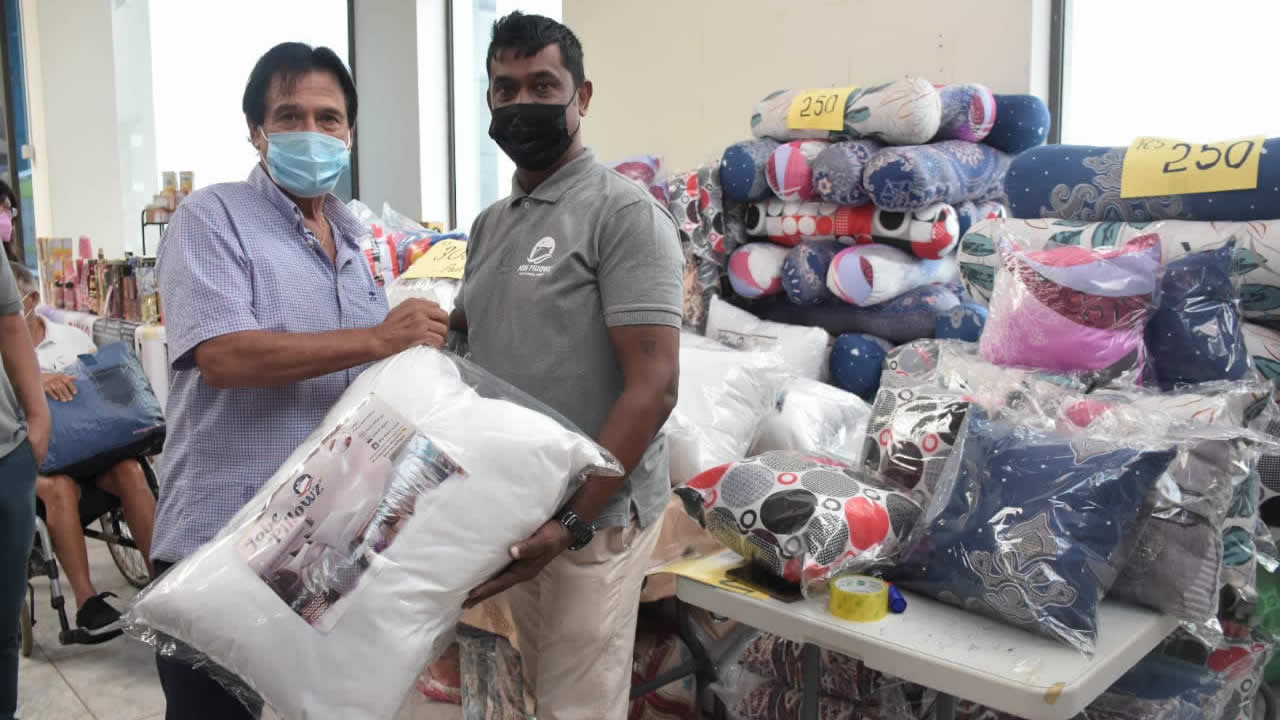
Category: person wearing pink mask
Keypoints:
(8, 211)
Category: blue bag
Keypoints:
(113, 417)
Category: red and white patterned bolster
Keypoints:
(929, 233)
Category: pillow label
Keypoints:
(320, 534)
(1155, 167)
(445, 259)
(743, 341)
(819, 109)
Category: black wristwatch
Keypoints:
(581, 531)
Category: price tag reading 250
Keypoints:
(1160, 166)
(819, 109)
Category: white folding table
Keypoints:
(957, 653)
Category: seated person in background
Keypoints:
(57, 348)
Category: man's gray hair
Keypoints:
(26, 281)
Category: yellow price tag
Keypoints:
(714, 571)
(819, 109)
(445, 259)
(1161, 166)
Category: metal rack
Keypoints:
(145, 225)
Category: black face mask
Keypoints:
(533, 135)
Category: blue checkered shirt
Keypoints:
(238, 257)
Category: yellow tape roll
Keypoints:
(859, 598)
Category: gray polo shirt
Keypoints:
(548, 273)
(13, 425)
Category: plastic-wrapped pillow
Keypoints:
(1072, 308)
(910, 435)
(1196, 335)
(803, 349)
(1025, 526)
(956, 366)
(817, 419)
(1176, 557)
(114, 416)
(356, 556)
(801, 518)
(441, 291)
(724, 394)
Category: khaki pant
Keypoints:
(577, 626)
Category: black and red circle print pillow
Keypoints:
(910, 435)
(802, 518)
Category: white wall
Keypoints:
(403, 129)
(136, 119)
(72, 88)
(680, 78)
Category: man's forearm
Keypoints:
(21, 366)
(629, 429)
(258, 358)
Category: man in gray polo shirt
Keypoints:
(24, 439)
(572, 292)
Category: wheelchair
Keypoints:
(100, 508)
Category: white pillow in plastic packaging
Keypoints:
(813, 417)
(724, 394)
(441, 291)
(804, 350)
(332, 588)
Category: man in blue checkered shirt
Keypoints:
(271, 312)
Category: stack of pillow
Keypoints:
(853, 202)
(1106, 378)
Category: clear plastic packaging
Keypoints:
(1196, 335)
(724, 394)
(767, 685)
(1026, 526)
(816, 418)
(1175, 561)
(911, 435)
(801, 518)
(803, 349)
(114, 416)
(1070, 308)
(334, 585)
(1225, 404)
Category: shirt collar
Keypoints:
(345, 224)
(555, 187)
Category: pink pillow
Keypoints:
(1072, 308)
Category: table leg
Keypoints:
(705, 666)
(812, 659)
(946, 707)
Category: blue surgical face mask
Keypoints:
(306, 164)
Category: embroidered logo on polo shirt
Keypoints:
(542, 252)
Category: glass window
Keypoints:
(1172, 68)
(201, 56)
(482, 172)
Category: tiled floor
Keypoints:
(116, 680)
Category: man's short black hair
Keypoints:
(289, 61)
(529, 34)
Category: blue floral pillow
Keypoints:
(1024, 525)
